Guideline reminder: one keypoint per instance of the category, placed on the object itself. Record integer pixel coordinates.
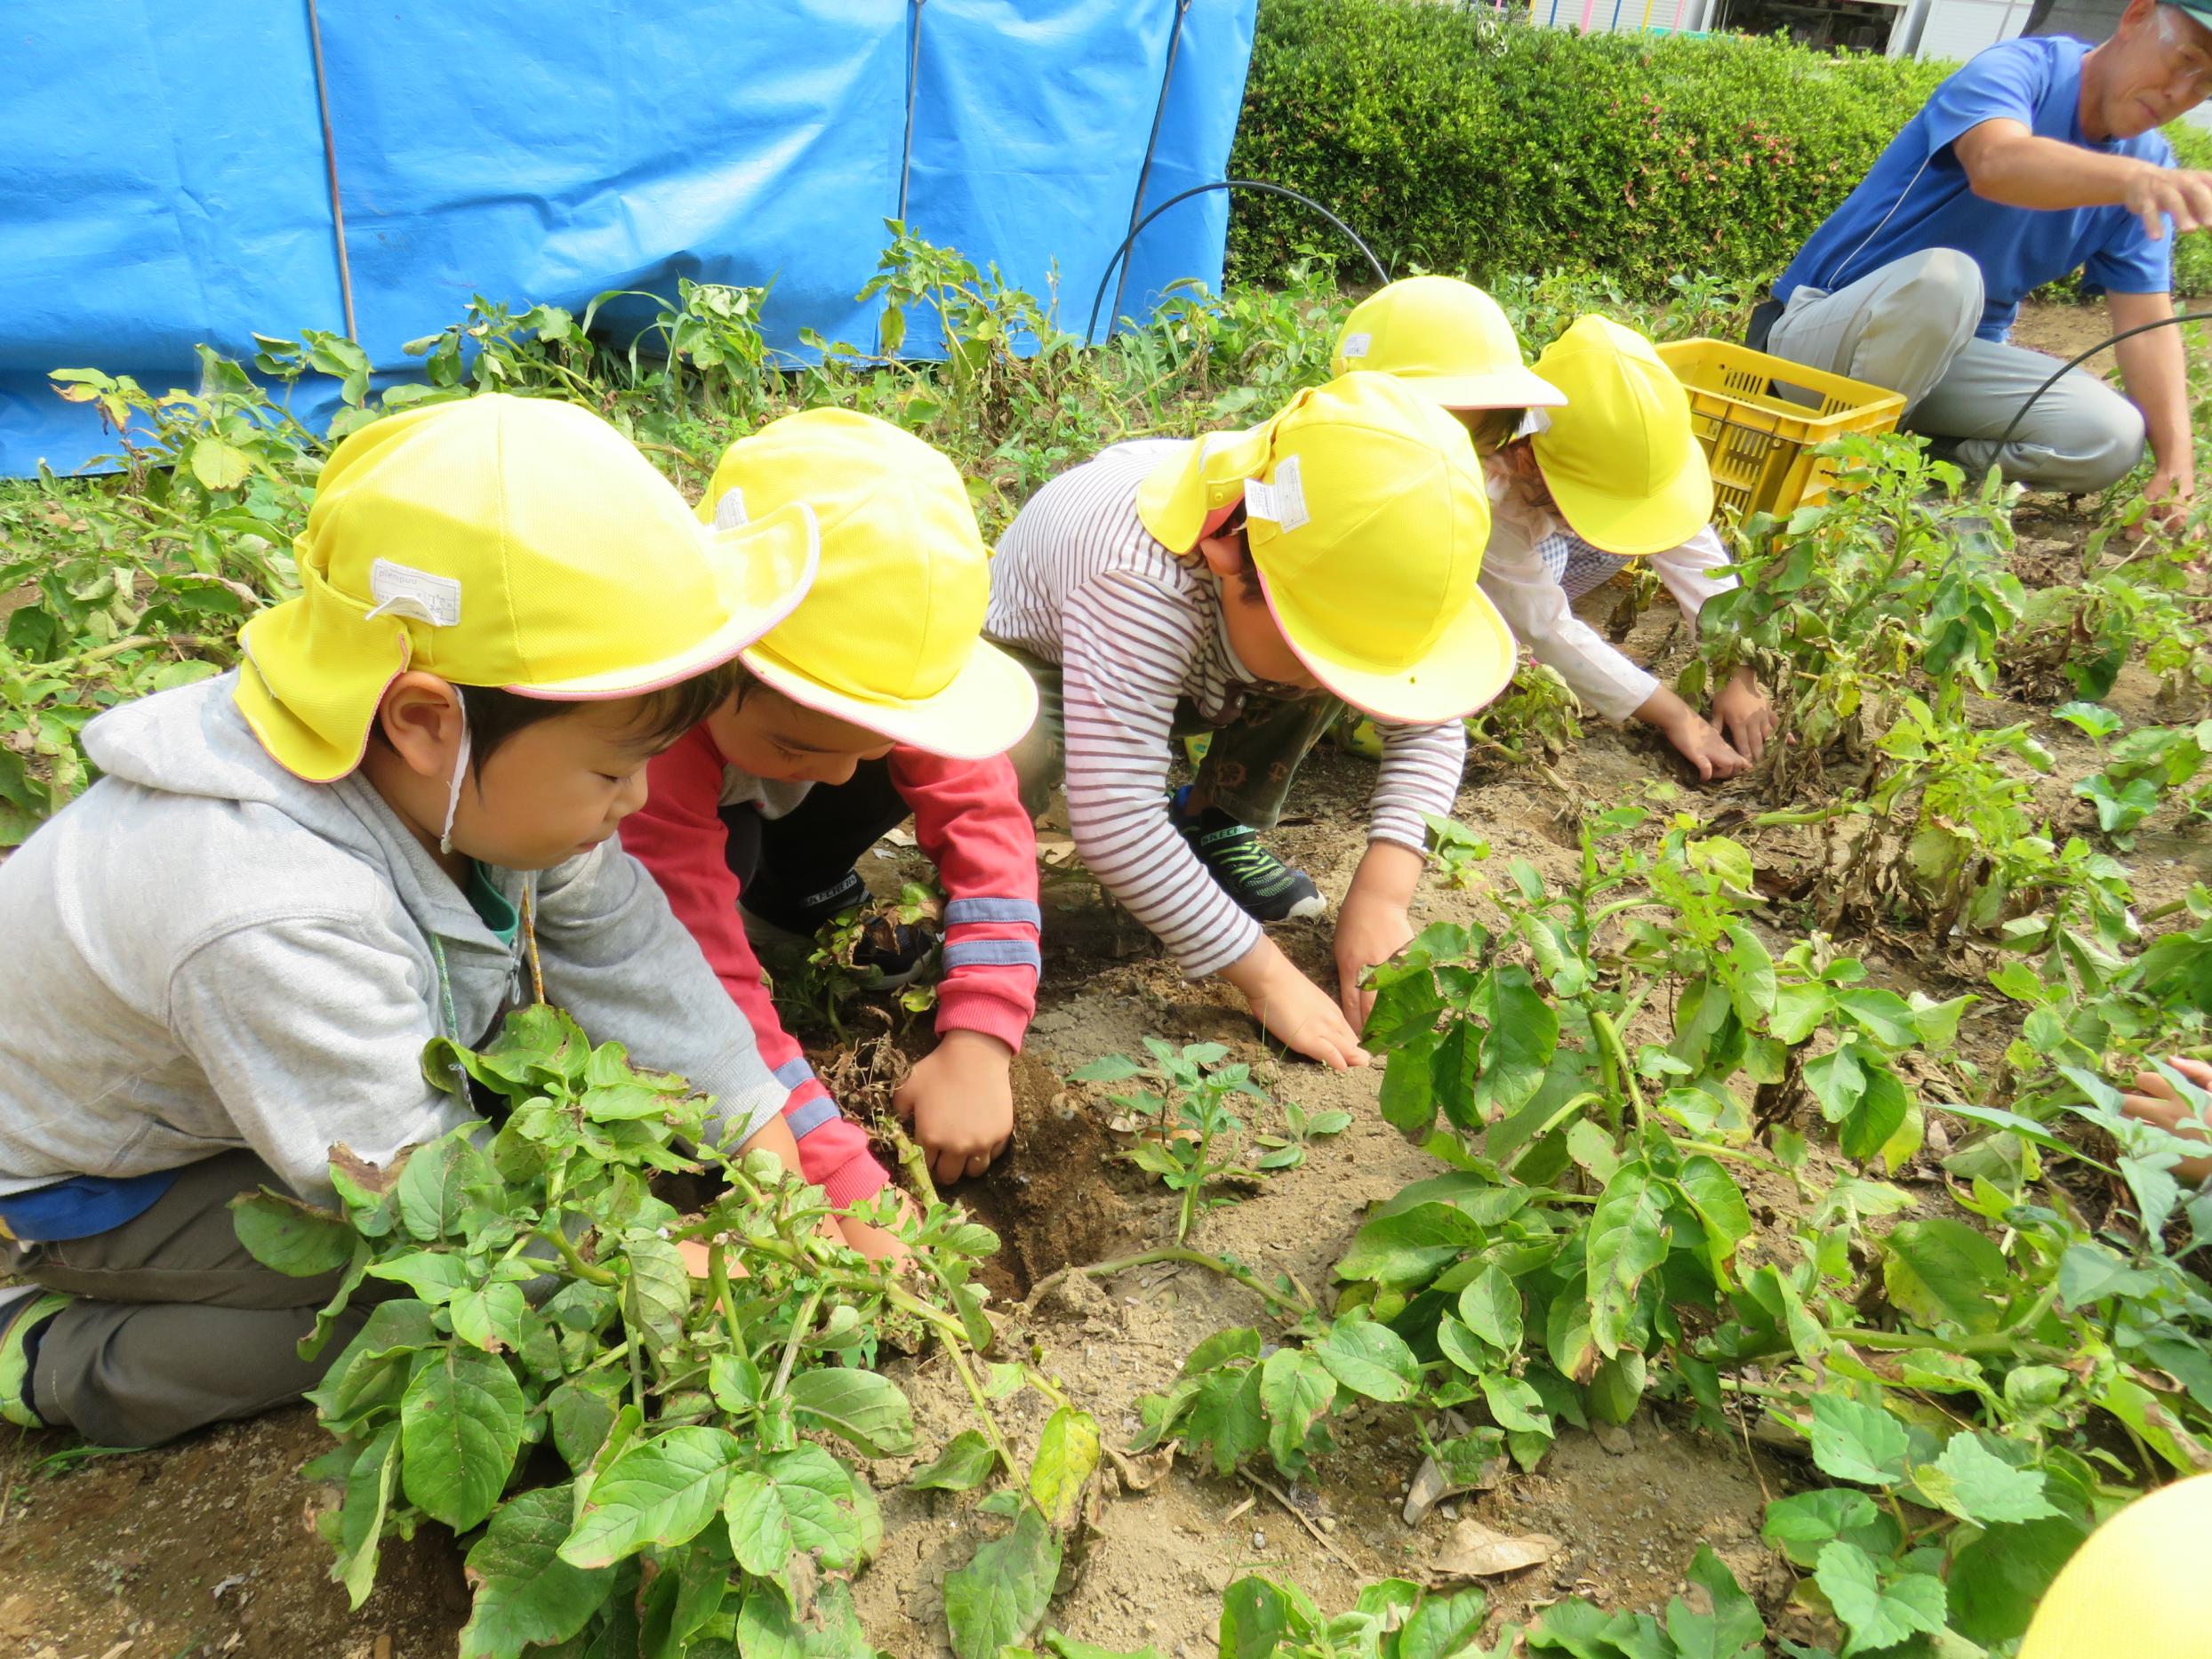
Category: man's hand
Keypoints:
(2169, 493)
(2158, 191)
(960, 1100)
(1295, 1011)
(1372, 924)
(2159, 1102)
(1744, 714)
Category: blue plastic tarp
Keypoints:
(163, 178)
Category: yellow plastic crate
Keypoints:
(1760, 416)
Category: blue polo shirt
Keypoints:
(1917, 196)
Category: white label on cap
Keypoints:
(729, 512)
(1533, 421)
(403, 590)
(1283, 502)
(1356, 345)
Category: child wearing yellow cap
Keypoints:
(1596, 466)
(1616, 475)
(1327, 556)
(225, 957)
(873, 701)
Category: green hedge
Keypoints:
(1452, 147)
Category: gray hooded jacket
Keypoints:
(204, 952)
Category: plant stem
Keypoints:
(1602, 1023)
(1713, 1149)
(590, 1272)
(1990, 1342)
(959, 1356)
(1227, 1269)
(917, 1166)
(800, 1327)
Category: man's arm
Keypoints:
(2152, 368)
(2006, 162)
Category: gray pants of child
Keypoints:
(1910, 327)
(1248, 765)
(178, 1325)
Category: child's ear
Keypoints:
(1224, 554)
(421, 717)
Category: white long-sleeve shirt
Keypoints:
(1078, 581)
(1538, 608)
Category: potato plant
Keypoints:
(646, 1420)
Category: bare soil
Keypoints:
(208, 1547)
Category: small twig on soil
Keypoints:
(1751, 1456)
(1299, 1515)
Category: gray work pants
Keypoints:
(177, 1325)
(1910, 327)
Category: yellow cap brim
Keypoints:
(335, 671)
(989, 704)
(1508, 388)
(1472, 662)
(1630, 525)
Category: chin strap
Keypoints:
(452, 789)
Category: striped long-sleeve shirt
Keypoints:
(1078, 581)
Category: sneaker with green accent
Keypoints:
(1267, 889)
(19, 1317)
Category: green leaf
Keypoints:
(1997, 1579)
(660, 1491)
(1882, 1014)
(865, 1407)
(1852, 1441)
(1067, 1457)
(1255, 1618)
(432, 1275)
(1107, 1069)
(1627, 1239)
(1295, 1390)
(1975, 1484)
(1876, 1614)
(439, 1184)
(219, 465)
(1837, 1082)
(1523, 1032)
(491, 1318)
(1800, 1525)
(1000, 1596)
(966, 1462)
(1226, 1417)
(1799, 1010)
(1718, 1202)
(1942, 1271)
(1491, 1305)
(461, 1428)
(1749, 972)
(656, 1291)
(1514, 1403)
(1409, 1247)
(1370, 1359)
(767, 1628)
(1731, 1629)
(296, 1239)
(1882, 1109)
(361, 1522)
(526, 1594)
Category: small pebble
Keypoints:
(1259, 1538)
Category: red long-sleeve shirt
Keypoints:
(967, 818)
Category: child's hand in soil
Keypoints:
(1745, 717)
(879, 1243)
(1374, 923)
(2159, 1102)
(960, 1101)
(1296, 1012)
(1703, 748)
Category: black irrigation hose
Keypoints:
(2074, 363)
(1382, 275)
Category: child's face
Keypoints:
(551, 791)
(765, 733)
(1253, 633)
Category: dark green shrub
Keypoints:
(1452, 147)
